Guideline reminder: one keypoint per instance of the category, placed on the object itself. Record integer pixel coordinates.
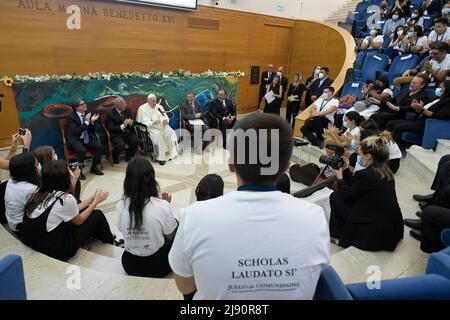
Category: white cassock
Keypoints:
(164, 138)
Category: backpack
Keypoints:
(306, 174)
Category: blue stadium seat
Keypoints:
(352, 87)
(359, 61)
(434, 129)
(373, 64)
(399, 65)
(433, 285)
(12, 282)
(427, 22)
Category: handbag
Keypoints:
(306, 174)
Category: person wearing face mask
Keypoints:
(397, 44)
(318, 86)
(391, 25)
(22, 184)
(283, 81)
(437, 109)
(358, 217)
(308, 84)
(445, 12)
(347, 139)
(322, 114)
(373, 41)
(416, 40)
(416, 18)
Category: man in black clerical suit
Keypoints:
(120, 125)
(80, 135)
(320, 84)
(190, 110)
(266, 79)
(225, 111)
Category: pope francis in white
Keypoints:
(163, 137)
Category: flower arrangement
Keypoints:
(121, 75)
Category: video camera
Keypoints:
(336, 162)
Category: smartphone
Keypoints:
(22, 131)
(73, 166)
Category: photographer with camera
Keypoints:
(366, 214)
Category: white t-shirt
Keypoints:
(322, 105)
(377, 39)
(157, 221)
(252, 245)
(444, 65)
(354, 132)
(433, 36)
(422, 41)
(64, 212)
(17, 195)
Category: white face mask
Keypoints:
(56, 156)
(414, 15)
(279, 73)
(400, 32)
(317, 70)
(321, 75)
(39, 168)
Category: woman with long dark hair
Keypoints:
(277, 89)
(52, 222)
(366, 214)
(146, 222)
(437, 109)
(23, 183)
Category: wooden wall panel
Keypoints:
(37, 42)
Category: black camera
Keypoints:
(336, 162)
(73, 166)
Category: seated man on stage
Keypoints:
(225, 111)
(81, 135)
(121, 128)
(192, 116)
(162, 135)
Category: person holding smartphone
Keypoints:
(25, 136)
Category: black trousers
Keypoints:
(154, 266)
(292, 110)
(434, 220)
(95, 226)
(273, 107)
(382, 118)
(79, 147)
(339, 214)
(224, 126)
(397, 127)
(315, 125)
(119, 144)
(442, 177)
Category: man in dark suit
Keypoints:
(225, 111)
(396, 108)
(121, 128)
(190, 110)
(80, 135)
(266, 79)
(320, 84)
(283, 82)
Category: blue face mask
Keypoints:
(373, 32)
(438, 92)
(360, 162)
(325, 96)
(345, 124)
(395, 17)
(39, 169)
(445, 11)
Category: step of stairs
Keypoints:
(93, 261)
(443, 147)
(341, 13)
(423, 161)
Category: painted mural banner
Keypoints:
(40, 105)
